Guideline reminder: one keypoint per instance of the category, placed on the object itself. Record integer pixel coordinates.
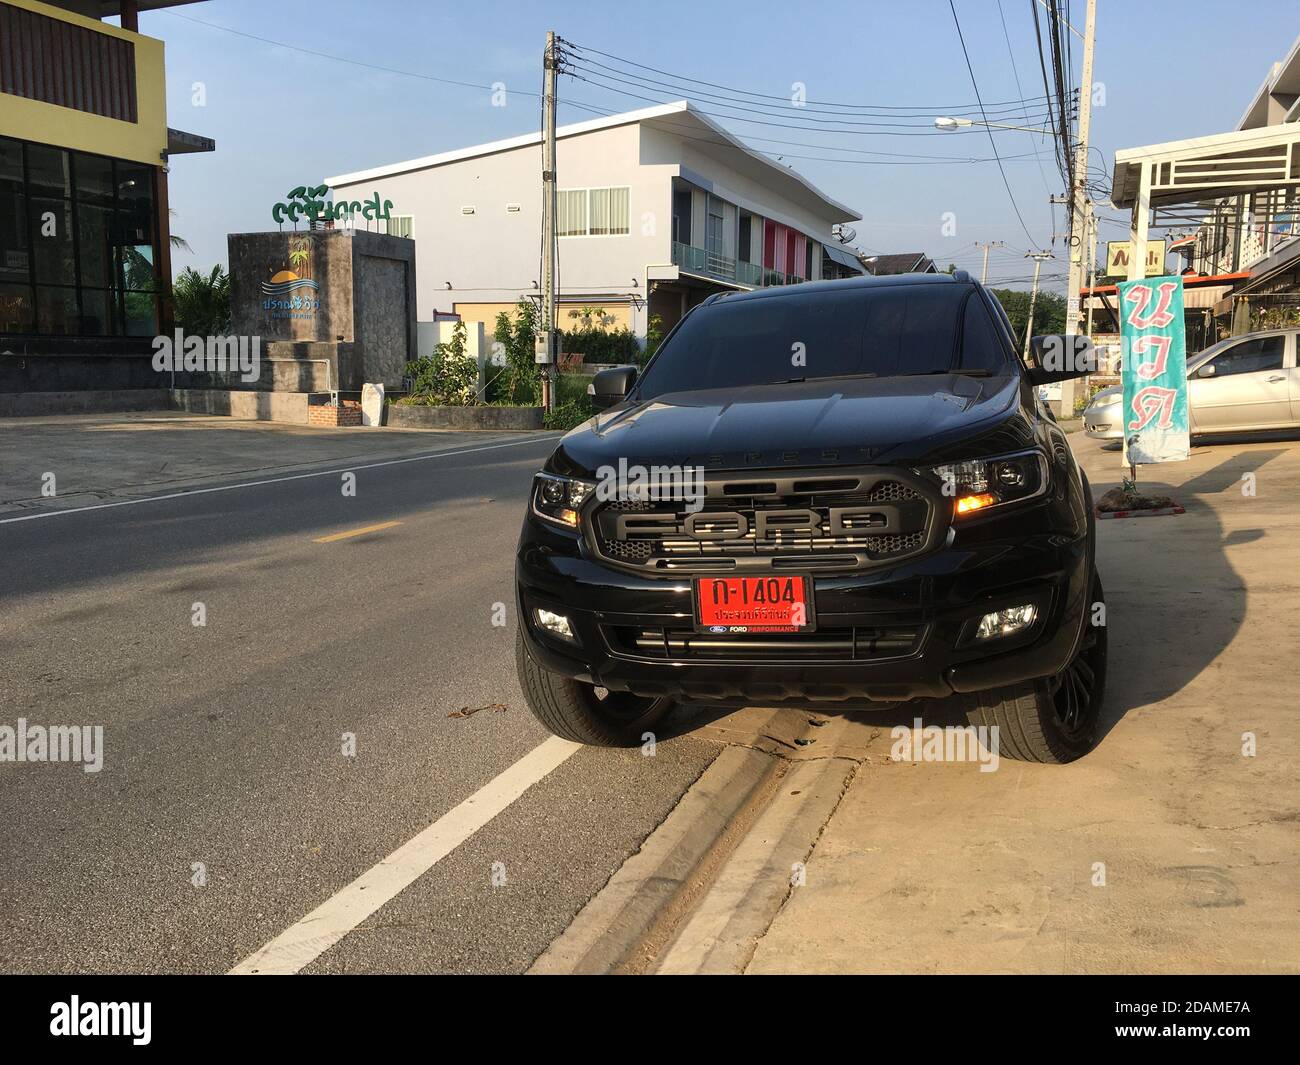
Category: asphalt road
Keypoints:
(223, 742)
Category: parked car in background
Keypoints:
(1242, 384)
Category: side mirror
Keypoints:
(1061, 357)
(610, 387)
(1206, 371)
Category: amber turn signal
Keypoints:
(976, 502)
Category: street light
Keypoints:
(948, 123)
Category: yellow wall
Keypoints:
(142, 141)
(487, 313)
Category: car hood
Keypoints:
(813, 423)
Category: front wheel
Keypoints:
(582, 712)
(1053, 719)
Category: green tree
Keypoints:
(519, 382)
(202, 301)
(1049, 311)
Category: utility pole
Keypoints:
(1092, 264)
(546, 345)
(986, 245)
(1080, 205)
(1038, 257)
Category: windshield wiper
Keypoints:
(824, 377)
(965, 373)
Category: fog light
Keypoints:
(1006, 622)
(556, 624)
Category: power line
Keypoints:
(896, 158)
(770, 96)
(773, 110)
(1022, 109)
(335, 58)
(992, 142)
(1016, 74)
(592, 79)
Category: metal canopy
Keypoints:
(1226, 164)
(1203, 168)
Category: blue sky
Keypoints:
(282, 117)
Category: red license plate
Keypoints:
(754, 604)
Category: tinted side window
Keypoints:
(982, 347)
(1251, 356)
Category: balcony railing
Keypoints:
(711, 264)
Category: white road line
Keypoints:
(272, 480)
(307, 940)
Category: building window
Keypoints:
(599, 212)
(401, 225)
(608, 212)
(682, 216)
(78, 243)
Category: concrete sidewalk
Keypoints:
(98, 457)
(1166, 849)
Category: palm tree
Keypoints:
(178, 243)
(299, 259)
(203, 301)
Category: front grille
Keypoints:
(853, 643)
(790, 522)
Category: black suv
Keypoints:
(836, 493)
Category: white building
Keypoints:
(1258, 232)
(658, 208)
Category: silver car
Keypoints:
(1241, 384)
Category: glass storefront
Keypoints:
(78, 243)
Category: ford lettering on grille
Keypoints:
(849, 530)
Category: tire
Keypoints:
(576, 711)
(1054, 719)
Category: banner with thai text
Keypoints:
(1154, 370)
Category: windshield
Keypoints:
(890, 331)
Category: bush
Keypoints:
(568, 415)
(447, 378)
(571, 388)
(603, 345)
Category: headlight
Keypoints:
(559, 499)
(980, 484)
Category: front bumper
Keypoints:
(889, 634)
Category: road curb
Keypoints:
(721, 935)
(626, 924)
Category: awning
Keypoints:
(181, 143)
(1201, 168)
(1282, 258)
(1190, 281)
(844, 257)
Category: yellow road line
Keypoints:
(355, 532)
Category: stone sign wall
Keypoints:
(341, 297)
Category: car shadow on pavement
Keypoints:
(1173, 603)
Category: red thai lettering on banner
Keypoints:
(1150, 402)
(1140, 297)
(1152, 368)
